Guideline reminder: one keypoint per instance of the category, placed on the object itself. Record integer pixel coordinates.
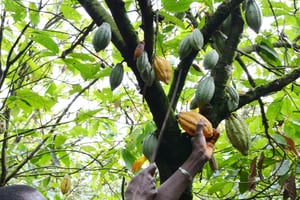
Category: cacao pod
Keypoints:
(205, 91)
(185, 47)
(142, 62)
(226, 25)
(233, 100)
(196, 39)
(162, 69)
(149, 145)
(219, 39)
(253, 15)
(116, 76)
(148, 75)
(139, 50)
(238, 133)
(65, 184)
(102, 37)
(189, 120)
(193, 104)
(211, 59)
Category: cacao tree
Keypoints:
(74, 117)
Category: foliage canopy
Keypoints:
(59, 115)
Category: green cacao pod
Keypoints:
(196, 39)
(162, 69)
(253, 15)
(238, 133)
(219, 39)
(205, 91)
(102, 37)
(149, 145)
(233, 98)
(193, 104)
(142, 62)
(148, 75)
(116, 76)
(226, 25)
(211, 59)
(185, 47)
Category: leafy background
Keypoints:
(59, 115)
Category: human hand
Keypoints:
(142, 186)
(201, 145)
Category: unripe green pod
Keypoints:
(142, 62)
(116, 76)
(149, 145)
(253, 15)
(233, 100)
(238, 133)
(219, 39)
(148, 75)
(196, 39)
(102, 37)
(211, 59)
(185, 47)
(204, 91)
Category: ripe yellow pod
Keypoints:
(163, 69)
(189, 120)
(65, 184)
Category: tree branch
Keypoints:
(269, 88)
(147, 26)
(222, 71)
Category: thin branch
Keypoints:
(269, 88)
(84, 33)
(39, 146)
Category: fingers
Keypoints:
(211, 142)
(199, 127)
(151, 169)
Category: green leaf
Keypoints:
(267, 52)
(177, 5)
(44, 40)
(243, 184)
(274, 109)
(69, 12)
(34, 14)
(59, 140)
(128, 158)
(172, 19)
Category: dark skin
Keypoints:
(142, 186)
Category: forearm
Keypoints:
(177, 183)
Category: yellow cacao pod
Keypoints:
(65, 184)
(102, 37)
(163, 69)
(253, 15)
(189, 120)
(238, 133)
